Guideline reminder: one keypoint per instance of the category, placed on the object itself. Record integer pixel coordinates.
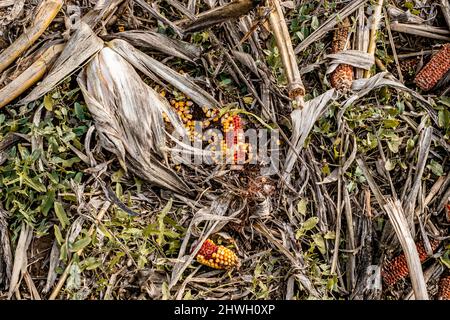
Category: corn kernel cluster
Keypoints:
(232, 144)
(342, 77)
(435, 70)
(217, 257)
(397, 268)
(444, 287)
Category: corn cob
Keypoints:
(438, 66)
(342, 77)
(232, 148)
(217, 257)
(444, 287)
(397, 268)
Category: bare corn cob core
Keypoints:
(341, 78)
(438, 66)
(397, 268)
(444, 287)
(217, 257)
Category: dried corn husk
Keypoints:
(328, 25)
(81, 47)
(150, 66)
(396, 216)
(128, 117)
(47, 11)
(302, 122)
(160, 42)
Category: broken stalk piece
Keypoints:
(284, 44)
(30, 76)
(44, 16)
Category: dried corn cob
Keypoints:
(438, 66)
(217, 257)
(444, 287)
(342, 77)
(397, 268)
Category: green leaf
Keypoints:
(394, 143)
(391, 123)
(80, 244)
(320, 243)
(48, 102)
(58, 234)
(47, 202)
(314, 23)
(61, 214)
(436, 168)
(33, 183)
(310, 223)
(302, 206)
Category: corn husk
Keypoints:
(46, 12)
(128, 117)
(102, 9)
(151, 67)
(160, 42)
(82, 45)
(30, 76)
(328, 25)
(302, 122)
(398, 220)
(355, 58)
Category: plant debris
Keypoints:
(224, 149)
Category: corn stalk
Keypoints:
(30, 76)
(284, 44)
(47, 11)
(373, 32)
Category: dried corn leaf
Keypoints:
(6, 260)
(150, 66)
(158, 16)
(160, 42)
(302, 122)
(397, 218)
(396, 14)
(355, 58)
(232, 10)
(101, 10)
(46, 12)
(362, 87)
(128, 117)
(20, 257)
(81, 47)
(329, 24)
